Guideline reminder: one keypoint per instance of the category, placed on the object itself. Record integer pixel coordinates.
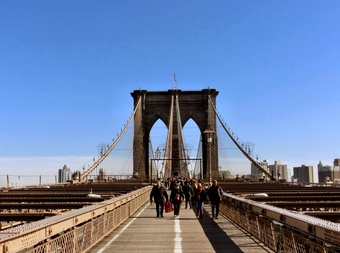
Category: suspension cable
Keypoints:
(97, 163)
(168, 147)
(182, 149)
(240, 147)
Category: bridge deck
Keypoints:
(144, 232)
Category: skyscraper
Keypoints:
(325, 173)
(304, 174)
(256, 173)
(64, 174)
(279, 170)
(336, 170)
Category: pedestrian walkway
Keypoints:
(144, 232)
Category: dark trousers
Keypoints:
(188, 200)
(176, 208)
(159, 208)
(215, 208)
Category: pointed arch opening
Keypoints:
(192, 141)
(158, 136)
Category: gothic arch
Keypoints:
(193, 105)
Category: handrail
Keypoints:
(321, 230)
(32, 234)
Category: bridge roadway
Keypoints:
(144, 232)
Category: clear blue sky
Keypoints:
(67, 69)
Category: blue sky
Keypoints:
(67, 69)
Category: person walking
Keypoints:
(176, 197)
(200, 196)
(188, 192)
(159, 195)
(215, 194)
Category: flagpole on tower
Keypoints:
(175, 81)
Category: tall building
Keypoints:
(336, 162)
(226, 174)
(256, 173)
(303, 174)
(325, 173)
(64, 174)
(279, 171)
(336, 170)
(102, 175)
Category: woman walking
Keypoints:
(176, 197)
(200, 196)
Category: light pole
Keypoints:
(209, 135)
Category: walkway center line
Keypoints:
(178, 237)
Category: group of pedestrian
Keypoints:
(194, 194)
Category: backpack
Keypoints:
(177, 197)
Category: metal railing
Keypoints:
(282, 230)
(79, 230)
(75, 231)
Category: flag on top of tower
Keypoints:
(175, 81)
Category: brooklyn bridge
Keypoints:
(105, 206)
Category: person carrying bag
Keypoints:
(176, 198)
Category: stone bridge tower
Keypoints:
(156, 105)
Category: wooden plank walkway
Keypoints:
(144, 232)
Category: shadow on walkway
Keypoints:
(221, 241)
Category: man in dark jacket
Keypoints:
(215, 194)
(159, 196)
(188, 192)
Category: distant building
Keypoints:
(303, 174)
(279, 171)
(226, 174)
(328, 173)
(256, 173)
(336, 170)
(336, 162)
(325, 173)
(64, 174)
(102, 175)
